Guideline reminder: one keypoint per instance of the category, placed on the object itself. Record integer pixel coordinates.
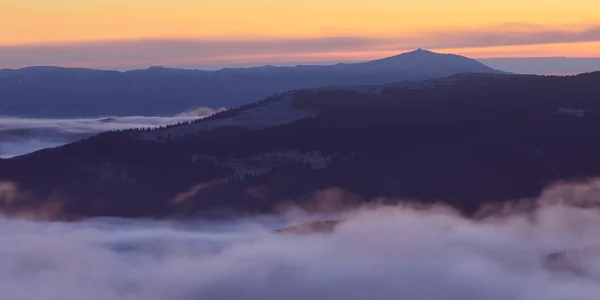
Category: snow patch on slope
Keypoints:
(269, 114)
(572, 112)
(107, 177)
(264, 163)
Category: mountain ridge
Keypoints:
(159, 91)
(463, 140)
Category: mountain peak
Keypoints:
(422, 60)
(420, 52)
(415, 54)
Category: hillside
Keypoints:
(60, 92)
(464, 140)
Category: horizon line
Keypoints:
(280, 64)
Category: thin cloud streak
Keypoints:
(139, 53)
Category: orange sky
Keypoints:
(477, 28)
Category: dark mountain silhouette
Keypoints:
(61, 92)
(464, 140)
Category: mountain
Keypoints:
(59, 92)
(464, 140)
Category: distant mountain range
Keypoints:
(464, 140)
(53, 92)
(544, 65)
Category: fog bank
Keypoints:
(376, 253)
(24, 135)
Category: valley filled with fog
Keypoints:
(375, 252)
(20, 135)
(299, 150)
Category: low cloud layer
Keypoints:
(376, 253)
(23, 135)
(142, 53)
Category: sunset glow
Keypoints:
(471, 27)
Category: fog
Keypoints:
(23, 135)
(399, 252)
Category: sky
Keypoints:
(132, 33)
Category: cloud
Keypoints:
(376, 253)
(517, 37)
(8, 193)
(199, 112)
(125, 54)
(164, 52)
(23, 135)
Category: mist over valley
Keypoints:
(418, 176)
